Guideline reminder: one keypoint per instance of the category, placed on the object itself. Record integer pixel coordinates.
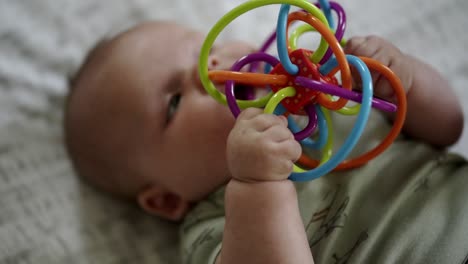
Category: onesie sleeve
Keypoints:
(202, 231)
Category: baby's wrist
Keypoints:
(251, 179)
(266, 192)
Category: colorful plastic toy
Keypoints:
(302, 82)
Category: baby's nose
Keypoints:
(222, 58)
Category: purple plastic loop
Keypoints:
(237, 66)
(309, 129)
(340, 92)
(268, 42)
(340, 29)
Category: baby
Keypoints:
(139, 124)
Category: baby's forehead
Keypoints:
(155, 40)
(163, 32)
(132, 53)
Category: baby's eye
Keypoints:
(173, 105)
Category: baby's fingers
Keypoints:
(291, 149)
(259, 121)
(278, 132)
(287, 152)
(378, 49)
(249, 113)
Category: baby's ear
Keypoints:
(158, 201)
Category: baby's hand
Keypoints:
(380, 49)
(260, 147)
(431, 101)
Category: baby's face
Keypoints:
(180, 132)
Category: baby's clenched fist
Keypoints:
(260, 147)
(389, 55)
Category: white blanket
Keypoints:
(46, 214)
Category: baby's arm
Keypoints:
(434, 113)
(263, 223)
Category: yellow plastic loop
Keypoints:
(278, 97)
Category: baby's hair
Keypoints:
(92, 165)
(73, 84)
(92, 55)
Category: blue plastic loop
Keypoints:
(322, 130)
(358, 127)
(325, 6)
(281, 41)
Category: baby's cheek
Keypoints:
(220, 113)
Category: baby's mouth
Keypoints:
(244, 92)
(241, 91)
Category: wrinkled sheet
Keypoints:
(47, 215)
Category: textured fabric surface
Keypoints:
(46, 214)
(390, 211)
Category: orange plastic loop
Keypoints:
(391, 136)
(338, 52)
(255, 79)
